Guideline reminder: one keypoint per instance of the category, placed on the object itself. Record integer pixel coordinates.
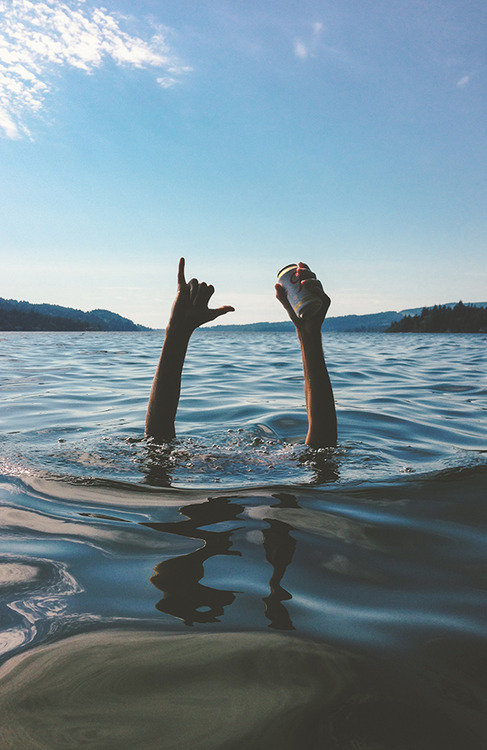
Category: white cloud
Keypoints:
(464, 81)
(304, 49)
(300, 49)
(166, 82)
(38, 37)
(8, 125)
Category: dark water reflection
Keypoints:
(179, 578)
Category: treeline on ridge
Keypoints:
(26, 316)
(442, 319)
(23, 320)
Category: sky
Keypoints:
(243, 136)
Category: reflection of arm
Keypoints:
(190, 310)
(320, 403)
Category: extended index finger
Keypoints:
(181, 277)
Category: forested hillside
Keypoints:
(442, 319)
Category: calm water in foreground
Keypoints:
(236, 590)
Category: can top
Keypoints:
(286, 269)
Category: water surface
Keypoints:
(236, 589)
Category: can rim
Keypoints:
(286, 268)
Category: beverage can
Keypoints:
(304, 301)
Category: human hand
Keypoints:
(190, 309)
(314, 321)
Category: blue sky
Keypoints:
(244, 136)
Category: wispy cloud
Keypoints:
(301, 49)
(464, 81)
(305, 47)
(38, 37)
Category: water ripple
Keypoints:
(234, 588)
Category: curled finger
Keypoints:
(313, 284)
(193, 285)
(281, 295)
(204, 293)
(305, 273)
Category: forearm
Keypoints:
(320, 403)
(166, 387)
(189, 311)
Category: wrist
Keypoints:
(179, 329)
(309, 338)
(177, 335)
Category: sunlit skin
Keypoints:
(320, 403)
(190, 310)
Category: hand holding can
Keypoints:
(303, 298)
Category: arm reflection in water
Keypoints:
(279, 550)
(179, 577)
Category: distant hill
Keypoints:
(25, 316)
(419, 310)
(444, 319)
(374, 322)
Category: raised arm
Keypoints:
(320, 404)
(189, 311)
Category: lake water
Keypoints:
(236, 589)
